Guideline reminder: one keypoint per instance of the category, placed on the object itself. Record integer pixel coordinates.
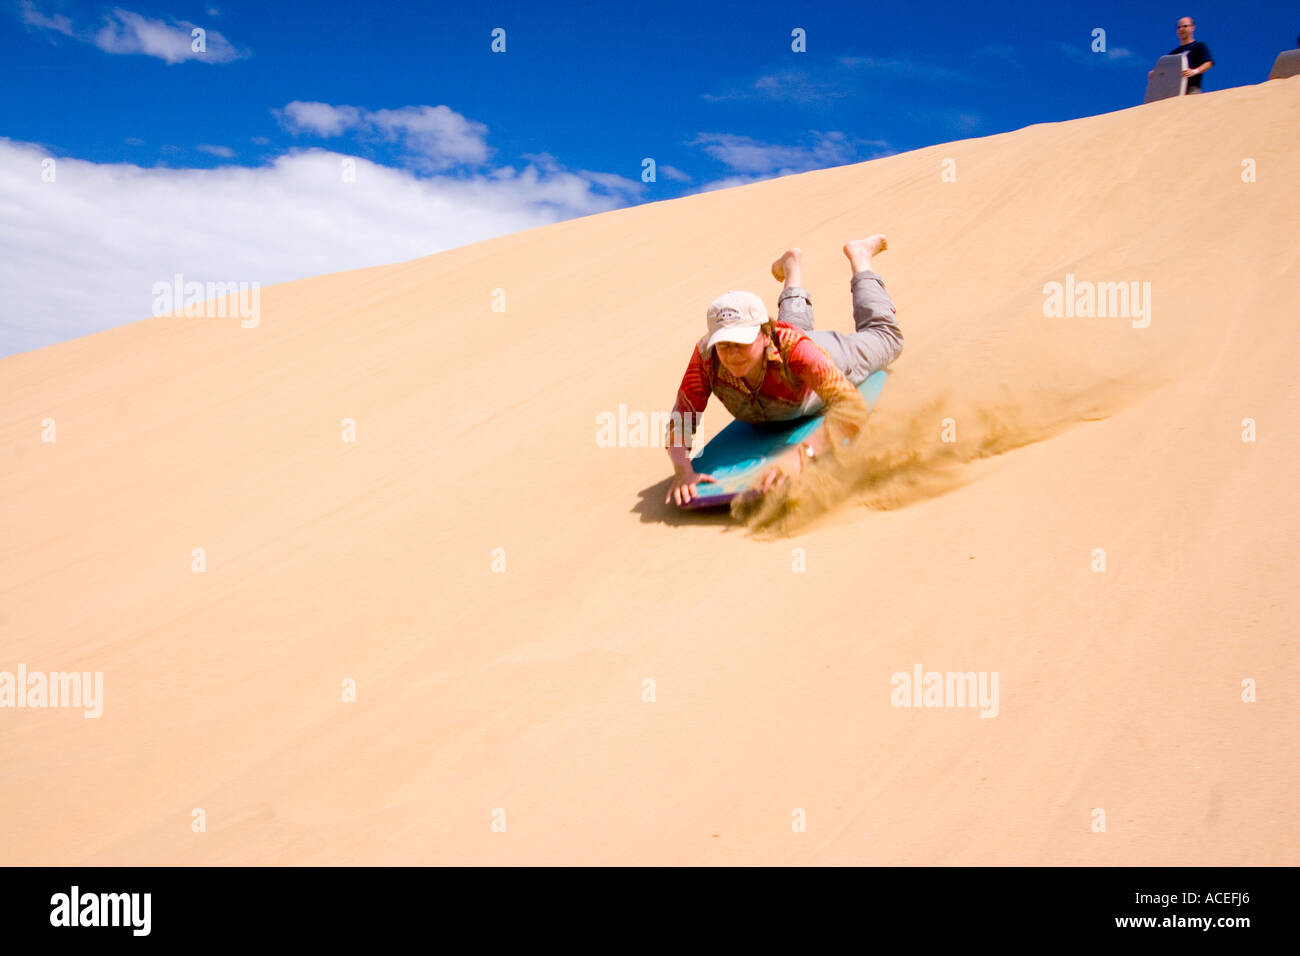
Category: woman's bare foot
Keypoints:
(790, 261)
(860, 251)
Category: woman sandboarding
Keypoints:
(766, 370)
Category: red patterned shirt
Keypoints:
(799, 379)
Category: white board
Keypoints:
(1286, 64)
(1167, 78)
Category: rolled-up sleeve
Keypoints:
(692, 397)
(846, 409)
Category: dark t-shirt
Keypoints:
(1197, 53)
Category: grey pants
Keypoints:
(877, 341)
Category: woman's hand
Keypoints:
(783, 469)
(683, 487)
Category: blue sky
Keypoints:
(222, 164)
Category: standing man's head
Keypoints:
(1186, 30)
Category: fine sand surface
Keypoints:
(371, 561)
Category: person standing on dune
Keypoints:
(1199, 58)
(767, 370)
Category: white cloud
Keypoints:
(436, 136)
(746, 155)
(127, 32)
(1083, 53)
(319, 119)
(225, 152)
(799, 86)
(432, 137)
(81, 254)
(34, 18)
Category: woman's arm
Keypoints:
(846, 409)
(692, 397)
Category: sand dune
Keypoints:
(522, 690)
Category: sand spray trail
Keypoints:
(978, 394)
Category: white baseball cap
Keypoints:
(735, 316)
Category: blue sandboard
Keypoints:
(740, 452)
